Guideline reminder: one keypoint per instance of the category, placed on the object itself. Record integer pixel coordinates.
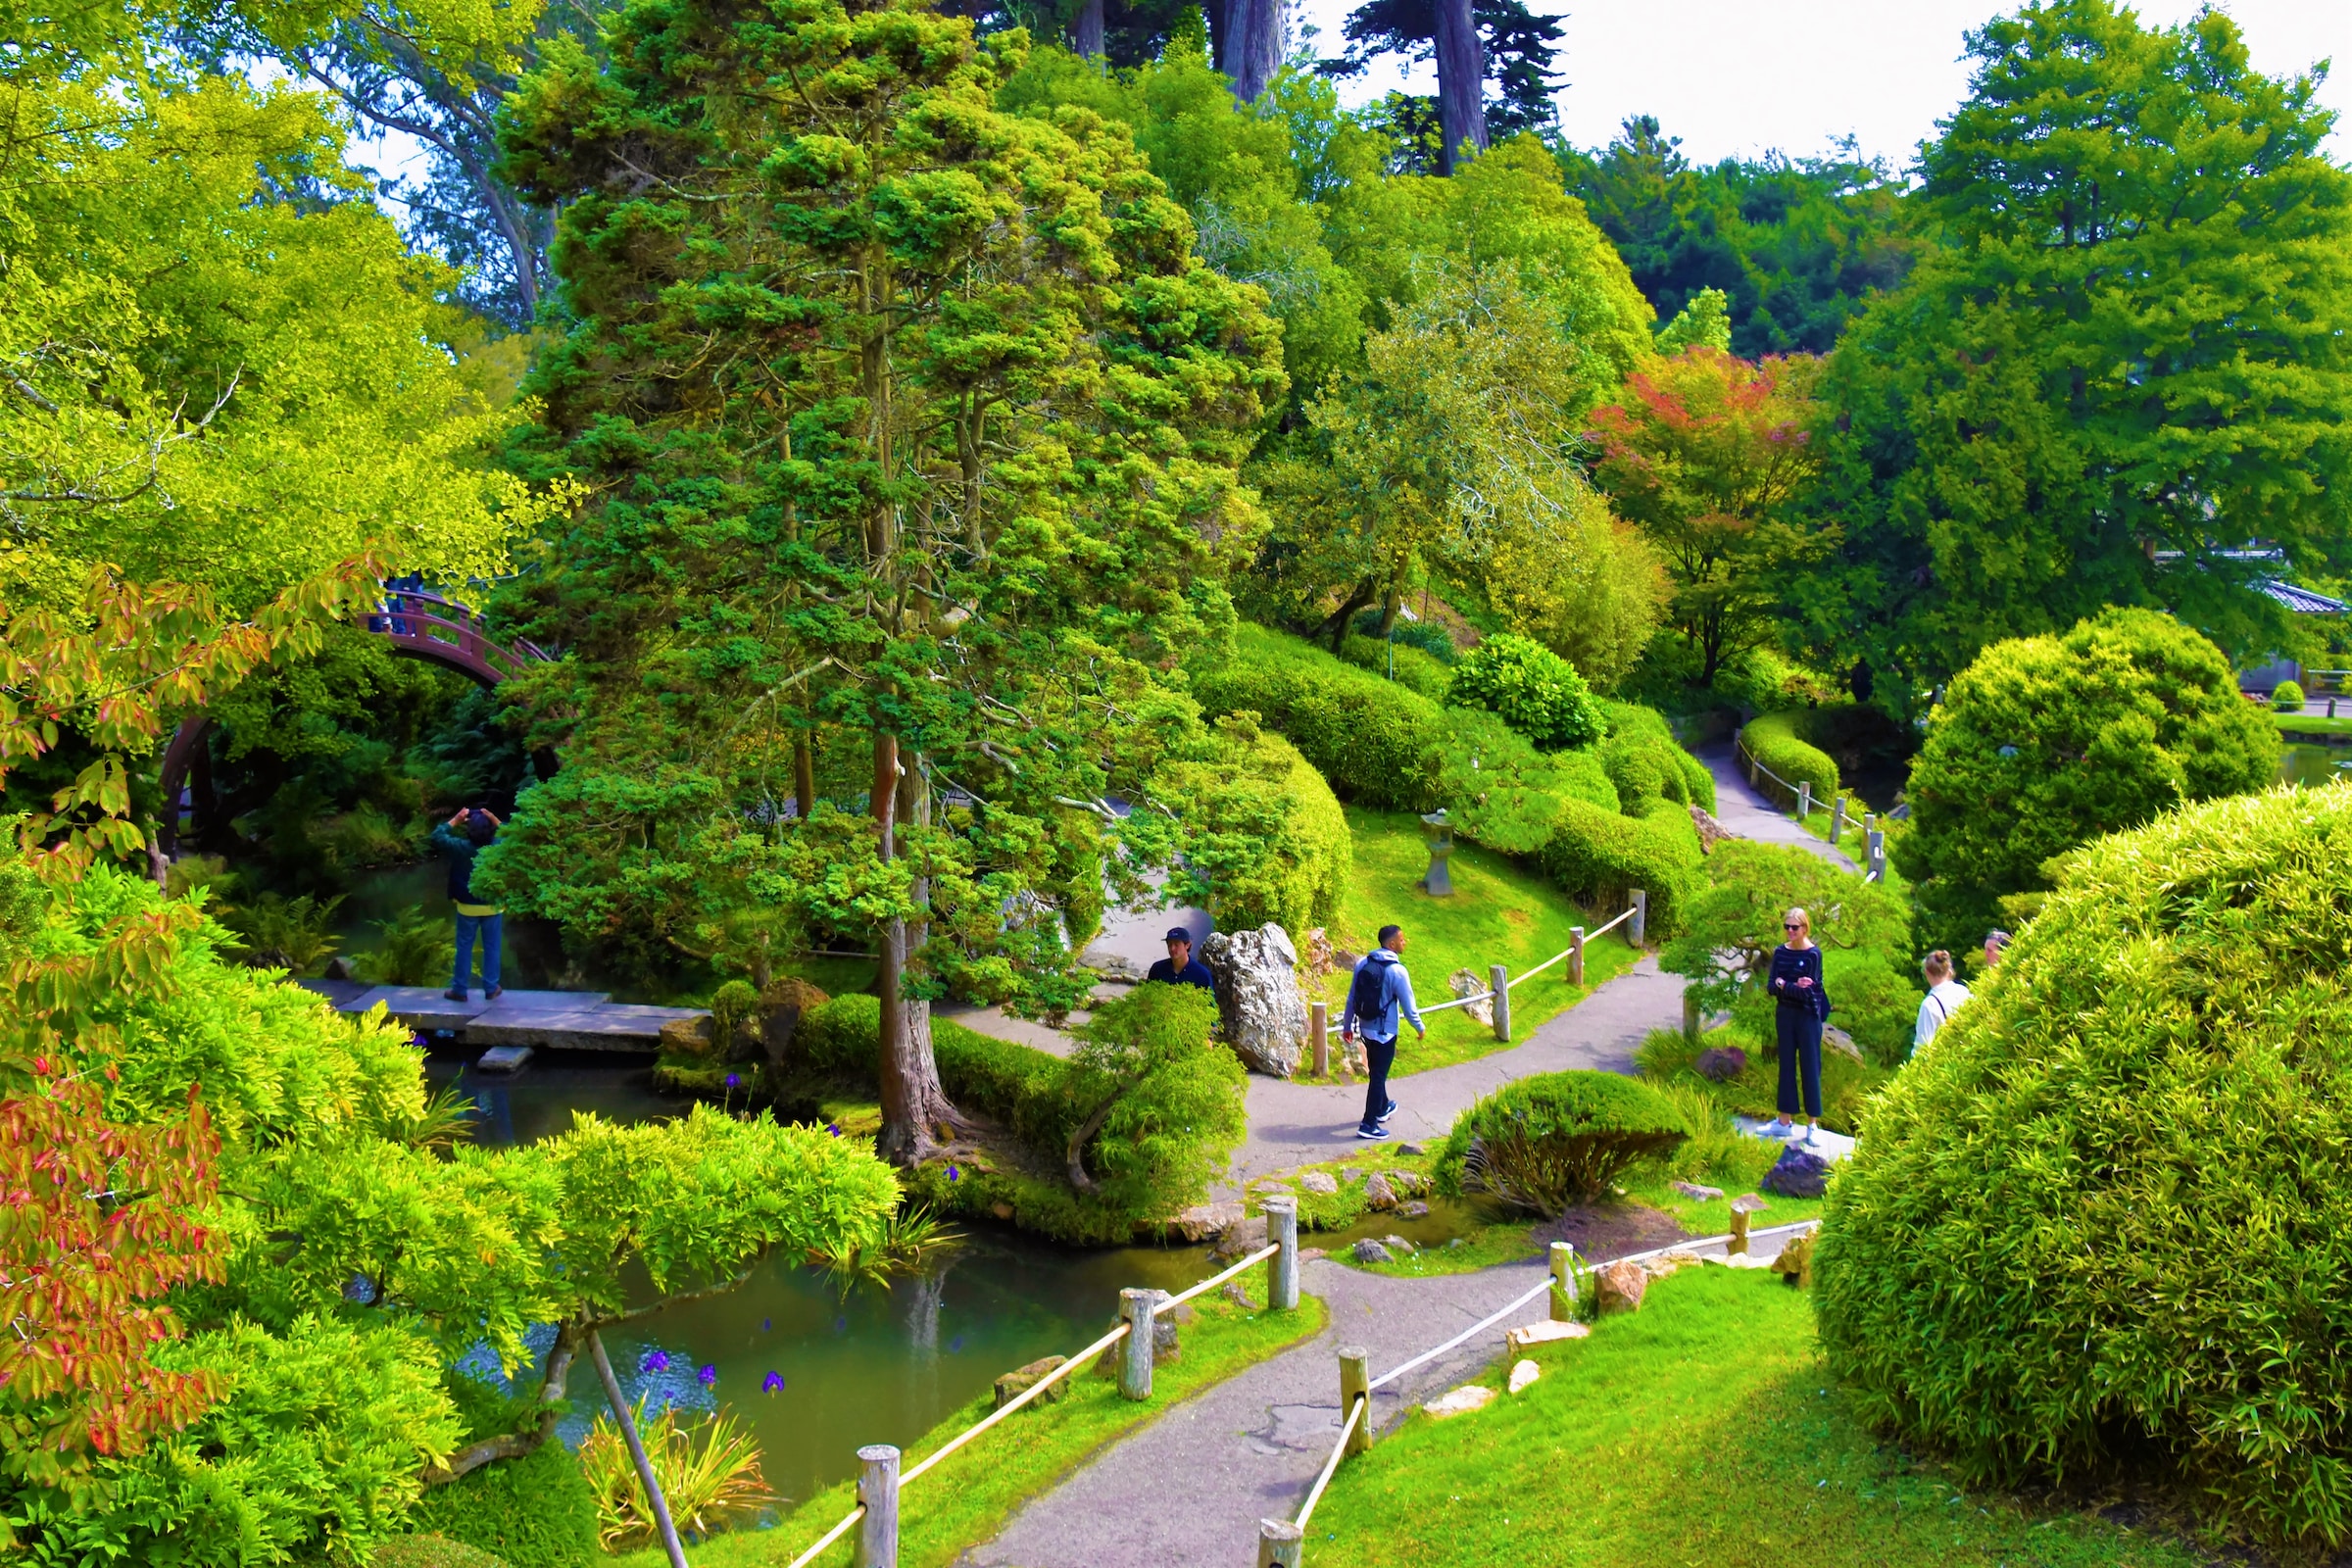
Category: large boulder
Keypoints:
(1798, 1173)
(781, 1006)
(1262, 1016)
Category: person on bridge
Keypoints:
(1180, 967)
(461, 838)
(1380, 995)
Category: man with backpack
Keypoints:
(1379, 993)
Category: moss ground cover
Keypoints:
(968, 1499)
(1500, 913)
(1703, 1430)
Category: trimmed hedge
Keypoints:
(1776, 741)
(1417, 669)
(1529, 688)
(1376, 742)
(2102, 1221)
(1264, 839)
(1634, 727)
(1599, 857)
(1548, 1142)
(2288, 696)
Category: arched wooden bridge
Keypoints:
(419, 624)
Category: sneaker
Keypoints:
(1808, 1138)
(1775, 1129)
(1376, 1131)
(1390, 1111)
(494, 993)
(454, 995)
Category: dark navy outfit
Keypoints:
(1797, 1021)
(1194, 973)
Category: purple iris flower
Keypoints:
(734, 1080)
(708, 1376)
(774, 1383)
(953, 1174)
(833, 1128)
(766, 1323)
(654, 1361)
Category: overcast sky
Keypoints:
(1738, 77)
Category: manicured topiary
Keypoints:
(1602, 856)
(1776, 743)
(2045, 742)
(1377, 742)
(2288, 696)
(1643, 731)
(1263, 838)
(1529, 688)
(2107, 1219)
(1545, 1143)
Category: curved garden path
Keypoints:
(1739, 807)
(1188, 1491)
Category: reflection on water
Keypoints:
(872, 1365)
(2313, 766)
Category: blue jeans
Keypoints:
(489, 926)
(1801, 1051)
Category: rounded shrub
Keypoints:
(1378, 742)
(1264, 839)
(1548, 1142)
(1777, 742)
(2045, 742)
(1529, 688)
(2107, 1216)
(1600, 856)
(2288, 696)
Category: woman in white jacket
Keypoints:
(1945, 996)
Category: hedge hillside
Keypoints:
(1377, 742)
(1264, 839)
(2108, 1214)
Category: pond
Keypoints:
(2313, 766)
(873, 1364)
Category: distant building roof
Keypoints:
(2302, 601)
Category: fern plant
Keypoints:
(413, 950)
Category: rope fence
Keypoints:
(1282, 1541)
(1801, 804)
(880, 1483)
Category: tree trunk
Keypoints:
(1087, 33)
(1336, 626)
(803, 776)
(1461, 83)
(1256, 53)
(916, 1110)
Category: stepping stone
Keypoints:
(1524, 1373)
(419, 1006)
(503, 1058)
(1461, 1401)
(1545, 1333)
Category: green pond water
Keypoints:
(2313, 766)
(873, 1364)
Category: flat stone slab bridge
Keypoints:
(560, 1020)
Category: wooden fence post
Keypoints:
(1878, 854)
(1636, 929)
(1805, 799)
(1563, 1282)
(1318, 1030)
(1575, 954)
(1689, 1016)
(1836, 821)
(663, 1524)
(1282, 1269)
(1498, 981)
(1135, 1367)
(1738, 1241)
(1355, 1382)
(1279, 1543)
(878, 1488)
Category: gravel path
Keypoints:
(1188, 1491)
(1739, 807)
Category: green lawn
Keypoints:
(2316, 723)
(1703, 1429)
(1500, 913)
(969, 1499)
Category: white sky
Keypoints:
(1738, 77)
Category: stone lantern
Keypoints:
(1438, 881)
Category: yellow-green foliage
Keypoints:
(1264, 838)
(2103, 1218)
(1777, 741)
(1375, 741)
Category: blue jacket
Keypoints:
(1194, 973)
(461, 850)
(1396, 996)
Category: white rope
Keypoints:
(1082, 1358)
(1215, 1280)
(829, 1537)
(1360, 1411)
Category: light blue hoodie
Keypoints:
(1395, 995)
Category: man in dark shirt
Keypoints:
(1180, 967)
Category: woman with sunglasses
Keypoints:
(1794, 982)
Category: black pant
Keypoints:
(1379, 1055)
(1800, 1045)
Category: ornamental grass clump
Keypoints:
(2105, 1220)
(1545, 1143)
